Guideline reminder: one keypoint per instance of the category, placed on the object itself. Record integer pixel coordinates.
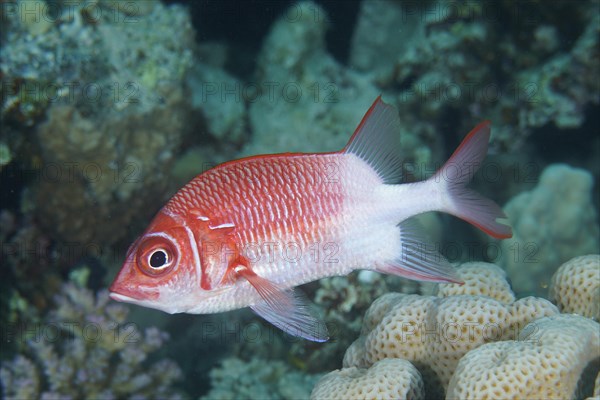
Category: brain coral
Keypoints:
(551, 224)
(434, 333)
(575, 286)
(386, 379)
(546, 362)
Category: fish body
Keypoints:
(247, 232)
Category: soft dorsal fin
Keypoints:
(377, 141)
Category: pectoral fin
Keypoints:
(284, 308)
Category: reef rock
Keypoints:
(104, 95)
(303, 99)
(552, 223)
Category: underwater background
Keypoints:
(108, 107)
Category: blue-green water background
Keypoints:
(82, 175)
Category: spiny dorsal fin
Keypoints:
(377, 141)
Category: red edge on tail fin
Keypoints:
(468, 204)
(494, 234)
(483, 125)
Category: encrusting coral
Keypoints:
(84, 349)
(575, 286)
(390, 378)
(548, 361)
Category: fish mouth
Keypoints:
(121, 297)
(148, 302)
(121, 291)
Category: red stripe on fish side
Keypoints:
(268, 196)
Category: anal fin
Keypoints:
(284, 308)
(418, 260)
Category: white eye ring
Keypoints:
(159, 259)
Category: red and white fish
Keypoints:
(247, 232)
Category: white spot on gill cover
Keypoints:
(239, 268)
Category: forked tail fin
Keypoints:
(456, 174)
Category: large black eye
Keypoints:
(158, 259)
(156, 256)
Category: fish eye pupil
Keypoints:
(158, 259)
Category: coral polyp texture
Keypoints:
(575, 286)
(547, 361)
(476, 341)
(481, 279)
(434, 333)
(390, 378)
